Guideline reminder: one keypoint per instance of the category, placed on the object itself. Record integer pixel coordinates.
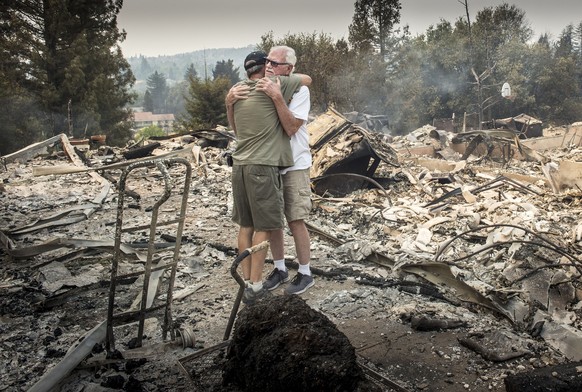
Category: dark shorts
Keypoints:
(297, 194)
(257, 192)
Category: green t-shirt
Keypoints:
(261, 139)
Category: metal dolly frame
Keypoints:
(132, 315)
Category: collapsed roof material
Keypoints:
(341, 150)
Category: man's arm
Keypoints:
(290, 123)
(236, 92)
(305, 79)
(230, 116)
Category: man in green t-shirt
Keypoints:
(263, 148)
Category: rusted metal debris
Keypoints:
(154, 268)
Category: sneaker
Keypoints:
(250, 296)
(275, 278)
(300, 284)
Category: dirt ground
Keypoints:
(413, 360)
(376, 319)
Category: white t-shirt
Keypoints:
(299, 106)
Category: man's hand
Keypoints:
(237, 92)
(272, 89)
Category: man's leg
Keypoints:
(297, 207)
(303, 280)
(258, 258)
(277, 244)
(245, 239)
(302, 241)
(279, 274)
(255, 289)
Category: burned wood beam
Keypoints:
(426, 323)
(71, 360)
(72, 154)
(59, 243)
(68, 169)
(32, 150)
(140, 152)
(213, 138)
(499, 346)
(129, 192)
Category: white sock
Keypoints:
(256, 286)
(247, 282)
(304, 269)
(280, 264)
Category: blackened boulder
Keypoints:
(282, 344)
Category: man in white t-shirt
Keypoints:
(296, 183)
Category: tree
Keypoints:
(178, 92)
(158, 90)
(317, 56)
(372, 24)
(205, 104)
(406, 86)
(176, 98)
(21, 116)
(190, 72)
(148, 102)
(65, 55)
(147, 132)
(225, 69)
(495, 27)
(145, 68)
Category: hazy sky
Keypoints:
(169, 27)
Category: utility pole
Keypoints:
(70, 118)
(205, 70)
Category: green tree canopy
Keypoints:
(147, 132)
(225, 69)
(148, 102)
(158, 90)
(205, 104)
(317, 56)
(190, 72)
(64, 60)
(372, 24)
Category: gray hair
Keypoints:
(290, 55)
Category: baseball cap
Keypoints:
(255, 58)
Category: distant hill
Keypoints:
(174, 67)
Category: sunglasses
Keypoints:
(275, 64)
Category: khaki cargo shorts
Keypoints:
(258, 197)
(297, 194)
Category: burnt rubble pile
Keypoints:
(282, 344)
(471, 236)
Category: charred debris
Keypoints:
(100, 243)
